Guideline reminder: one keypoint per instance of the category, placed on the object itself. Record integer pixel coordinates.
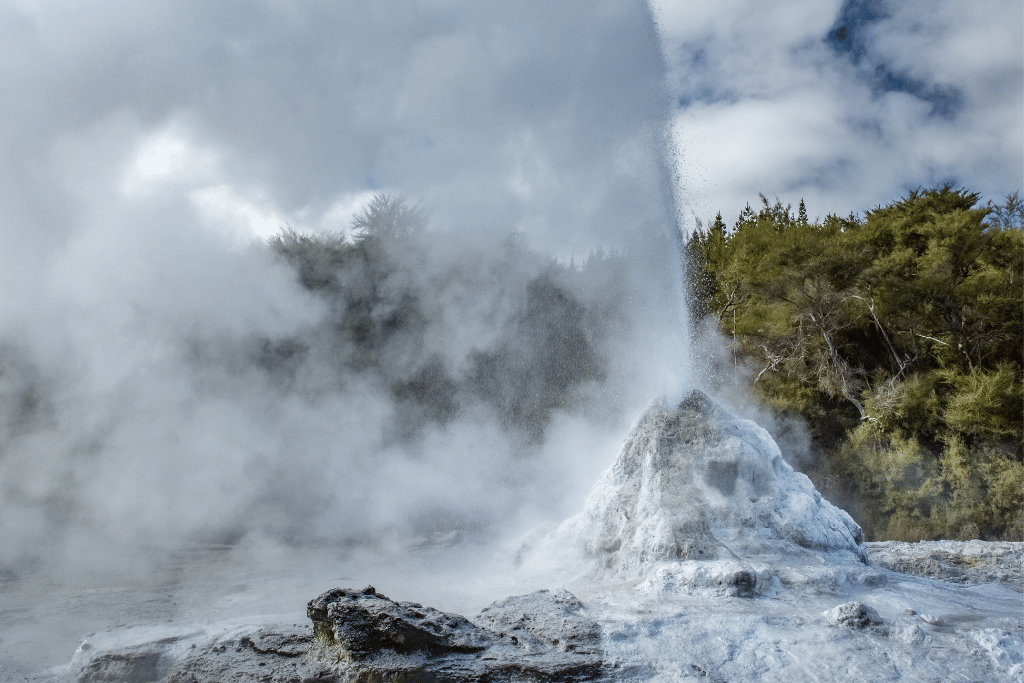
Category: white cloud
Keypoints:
(339, 215)
(311, 101)
(769, 106)
(159, 156)
(951, 42)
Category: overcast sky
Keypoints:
(769, 100)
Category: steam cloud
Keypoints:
(165, 376)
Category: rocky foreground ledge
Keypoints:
(361, 635)
(542, 636)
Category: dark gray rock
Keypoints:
(267, 642)
(363, 623)
(141, 663)
(542, 636)
(361, 635)
(132, 665)
(278, 655)
(275, 655)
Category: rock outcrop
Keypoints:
(358, 625)
(694, 483)
(281, 654)
(544, 620)
(542, 636)
(361, 635)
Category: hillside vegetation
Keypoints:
(445, 328)
(898, 339)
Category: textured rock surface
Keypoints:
(963, 562)
(696, 483)
(279, 655)
(360, 635)
(719, 577)
(131, 665)
(360, 624)
(273, 655)
(542, 636)
(542, 621)
(853, 615)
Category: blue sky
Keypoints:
(768, 100)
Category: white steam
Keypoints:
(146, 147)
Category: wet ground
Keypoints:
(44, 615)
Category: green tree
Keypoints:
(1009, 215)
(705, 256)
(898, 337)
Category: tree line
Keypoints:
(443, 328)
(897, 338)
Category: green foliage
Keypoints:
(898, 337)
(910, 406)
(907, 494)
(900, 484)
(1009, 215)
(706, 258)
(986, 403)
(987, 489)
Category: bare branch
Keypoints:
(902, 364)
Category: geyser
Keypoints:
(171, 384)
(700, 500)
(695, 483)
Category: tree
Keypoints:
(705, 251)
(898, 337)
(1008, 216)
(388, 217)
